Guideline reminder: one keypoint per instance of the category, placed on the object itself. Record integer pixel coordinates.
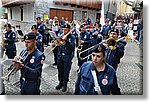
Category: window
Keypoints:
(21, 13)
(10, 13)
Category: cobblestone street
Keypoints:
(129, 73)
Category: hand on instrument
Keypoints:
(17, 62)
(60, 43)
(82, 41)
(106, 45)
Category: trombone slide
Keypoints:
(6, 77)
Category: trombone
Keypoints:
(12, 67)
(111, 43)
(12, 71)
(61, 41)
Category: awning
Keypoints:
(12, 3)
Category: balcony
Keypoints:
(90, 4)
(12, 3)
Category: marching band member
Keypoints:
(39, 37)
(62, 22)
(96, 36)
(48, 27)
(31, 67)
(97, 77)
(105, 29)
(59, 34)
(114, 55)
(41, 30)
(84, 42)
(64, 59)
(9, 40)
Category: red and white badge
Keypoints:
(104, 81)
(42, 61)
(32, 60)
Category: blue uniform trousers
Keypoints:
(64, 65)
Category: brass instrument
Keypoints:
(11, 72)
(80, 46)
(64, 37)
(110, 43)
(61, 40)
(12, 68)
(3, 39)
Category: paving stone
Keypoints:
(130, 76)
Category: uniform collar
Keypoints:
(94, 68)
(33, 52)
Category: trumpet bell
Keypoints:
(111, 42)
(80, 47)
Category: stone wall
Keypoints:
(24, 26)
(41, 7)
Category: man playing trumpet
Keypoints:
(84, 42)
(115, 50)
(31, 66)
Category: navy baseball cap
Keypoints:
(38, 18)
(66, 26)
(83, 26)
(99, 48)
(114, 31)
(30, 36)
(34, 26)
(8, 25)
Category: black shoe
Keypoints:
(64, 88)
(58, 87)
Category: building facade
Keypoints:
(110, 8)
(24, 13)
(124, 9)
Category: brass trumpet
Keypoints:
(110, 42)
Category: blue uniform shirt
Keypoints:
(69, 46)
(41, 28)
(96, 38)
(10, 37)
(113, 56)
(85, 82)
(86, 38)
(10, 44)
(124, 31)
(105, 30)
(31, 72)
(39, 39)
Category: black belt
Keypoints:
(30, 79)
(9, 43)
